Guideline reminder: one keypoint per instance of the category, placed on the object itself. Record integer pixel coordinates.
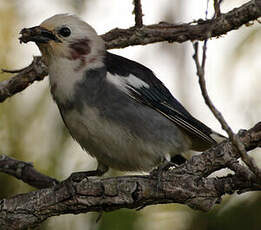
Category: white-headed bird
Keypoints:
(115, 108)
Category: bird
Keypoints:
(115, 108)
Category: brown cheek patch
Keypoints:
(79, 48)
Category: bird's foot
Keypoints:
(164, 166)
(158, 173)
(78, 176)
(161, 168)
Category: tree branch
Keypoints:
(138, 13)
(197, 30)
(120, 38)
(217, 4)
(25, 171)
(235, 139)
(187, 184)
(36, 71)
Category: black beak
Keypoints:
(37, 34)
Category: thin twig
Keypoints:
(36, 71)
(217, 8)
(234, 138)
(138, 13)
(206, 12)
(13, 70)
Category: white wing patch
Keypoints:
(136, 82)
(125, 83)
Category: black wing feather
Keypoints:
(157, 95)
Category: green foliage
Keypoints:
(242, 215)
(118, 220)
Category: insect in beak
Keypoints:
(37, 34)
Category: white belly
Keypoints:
(113, 146)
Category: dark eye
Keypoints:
(65, 31)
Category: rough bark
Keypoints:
(25, 171)
(187, 184)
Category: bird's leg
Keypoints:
(164, 166)
(78, 176)
(157, 173)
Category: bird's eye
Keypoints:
(65, 31)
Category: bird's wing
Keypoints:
(141, 84)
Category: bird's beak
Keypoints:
(37, 34)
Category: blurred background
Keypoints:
(31, 128)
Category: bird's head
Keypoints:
(65, 36)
